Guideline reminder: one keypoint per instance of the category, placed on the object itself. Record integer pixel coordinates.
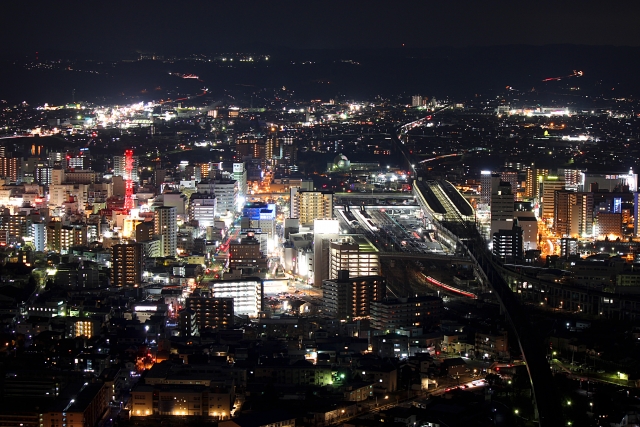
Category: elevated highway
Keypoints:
(453, 218)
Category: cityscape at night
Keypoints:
(361, 214)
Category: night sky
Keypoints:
(184, 26)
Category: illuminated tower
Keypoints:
(128, 167)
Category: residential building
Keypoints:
(349, 298)
(126, 265)
(394, 313)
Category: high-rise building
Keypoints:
(62, 237)
(549, 185)
(502, 206)
(609, 225)
(166, 226)
(311, 205)
(507, 245)
(245, 253)
(289, 159)
(126, 265)
(355, 254)
(573, 213)
(120, 167)
(534, 177)
(211, 313)
(202, 208)
(226, 192)
(247, 294)
(529, 225)
(511, 177)
(348, 298)
(188, 323)
(38, 236)
(485, 187)
(324, 232)
(240, 175)
(416, 101)
(568, 247)
(10, 167)
(145, 231)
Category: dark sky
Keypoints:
(114, 26)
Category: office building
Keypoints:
(202, 208)
(226, 193)
(247, 295)
(126, 265)
(502, 206)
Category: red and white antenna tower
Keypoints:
(128, 168)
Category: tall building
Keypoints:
(62, 237)
(38, 236)
(202, 208)
(486, 178)
(568, 247)
(311, 205)
(348, 298)
(240, 176)
(226, 192)
(502, 206)
(391, 314)
(126, 265)
(609, 225)
(211, 313)
(507, 245)
(355, 254)
(417, 101)
(324, 232)
(511, 177)
(166, 226)
(145, 231)
(245, 253)
(247, 294)
(534, 177)
(573, 213)
(119, 167)
(529, 225)
(289, 159)
(549, 185)
(10, 166)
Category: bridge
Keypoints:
(425, 256)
